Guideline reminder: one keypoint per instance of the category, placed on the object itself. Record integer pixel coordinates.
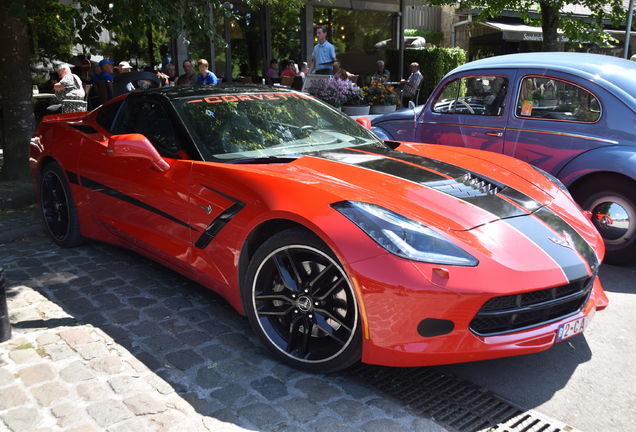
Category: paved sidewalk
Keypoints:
(106, 340)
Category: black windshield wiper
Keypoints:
(264, 160)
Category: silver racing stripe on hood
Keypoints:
(490, 195)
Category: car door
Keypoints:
(554, 118)
(468, 110)
(134, 201)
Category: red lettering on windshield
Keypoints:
(252, 97)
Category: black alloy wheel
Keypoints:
(301, 303)
(58, 207)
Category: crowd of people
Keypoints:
(68, 86)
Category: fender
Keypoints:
(615, 159)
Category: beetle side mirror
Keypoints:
(411, 105)
(136, 146)
(364, 121)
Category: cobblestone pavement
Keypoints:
(107, 340)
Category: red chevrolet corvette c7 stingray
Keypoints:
(336, 245)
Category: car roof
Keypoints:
(191, 91)
(614, 74)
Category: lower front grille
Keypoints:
(508, 314)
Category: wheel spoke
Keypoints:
(331, 334)
(292, 263)
(306, 338)
(293, 332)
(286, 277)
(269, 308)
(321, 312)
(330, 290)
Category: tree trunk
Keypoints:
(549, 25)
(16, 89)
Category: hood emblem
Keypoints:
(565, 241)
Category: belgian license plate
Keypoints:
(571, 328)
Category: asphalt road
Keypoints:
(588, 381)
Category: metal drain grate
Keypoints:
(455, 403)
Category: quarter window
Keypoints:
(481, 95)
(106, 115)
(550, 99)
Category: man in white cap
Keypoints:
(124, 67)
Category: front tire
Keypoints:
(612, 202)
(301, 304)
(58, 207)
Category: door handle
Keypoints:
(497, 134)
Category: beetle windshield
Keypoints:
(265, 125)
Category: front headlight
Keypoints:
(402, 236)
(381, 133)
(554, 180)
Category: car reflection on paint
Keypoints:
(570, 114)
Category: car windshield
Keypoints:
(257, 125)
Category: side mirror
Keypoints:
(364, 121)
(411, 105)
(136, 146)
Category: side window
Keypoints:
(547, 98)
(480, 95)
(150, 120)
(106, 115)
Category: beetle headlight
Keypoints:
(381, 133)
(402, 236)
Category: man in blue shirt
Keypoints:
(324, 54)
(106, 74)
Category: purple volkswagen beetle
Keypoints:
(570, 114)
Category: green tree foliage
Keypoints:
(50, 30)
(553, 16)
(86, 22)
(123, 47)
(432, 37)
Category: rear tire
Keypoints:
(58, 207)
(612, 201)
(301, 304)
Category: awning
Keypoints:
(521, 32)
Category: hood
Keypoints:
(401, 115)
(463, 194)
(431, 190)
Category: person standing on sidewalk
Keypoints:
(324, 54)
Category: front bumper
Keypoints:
(399, 294)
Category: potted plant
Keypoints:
(329, 91)
(380, 97)
(354, 103)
